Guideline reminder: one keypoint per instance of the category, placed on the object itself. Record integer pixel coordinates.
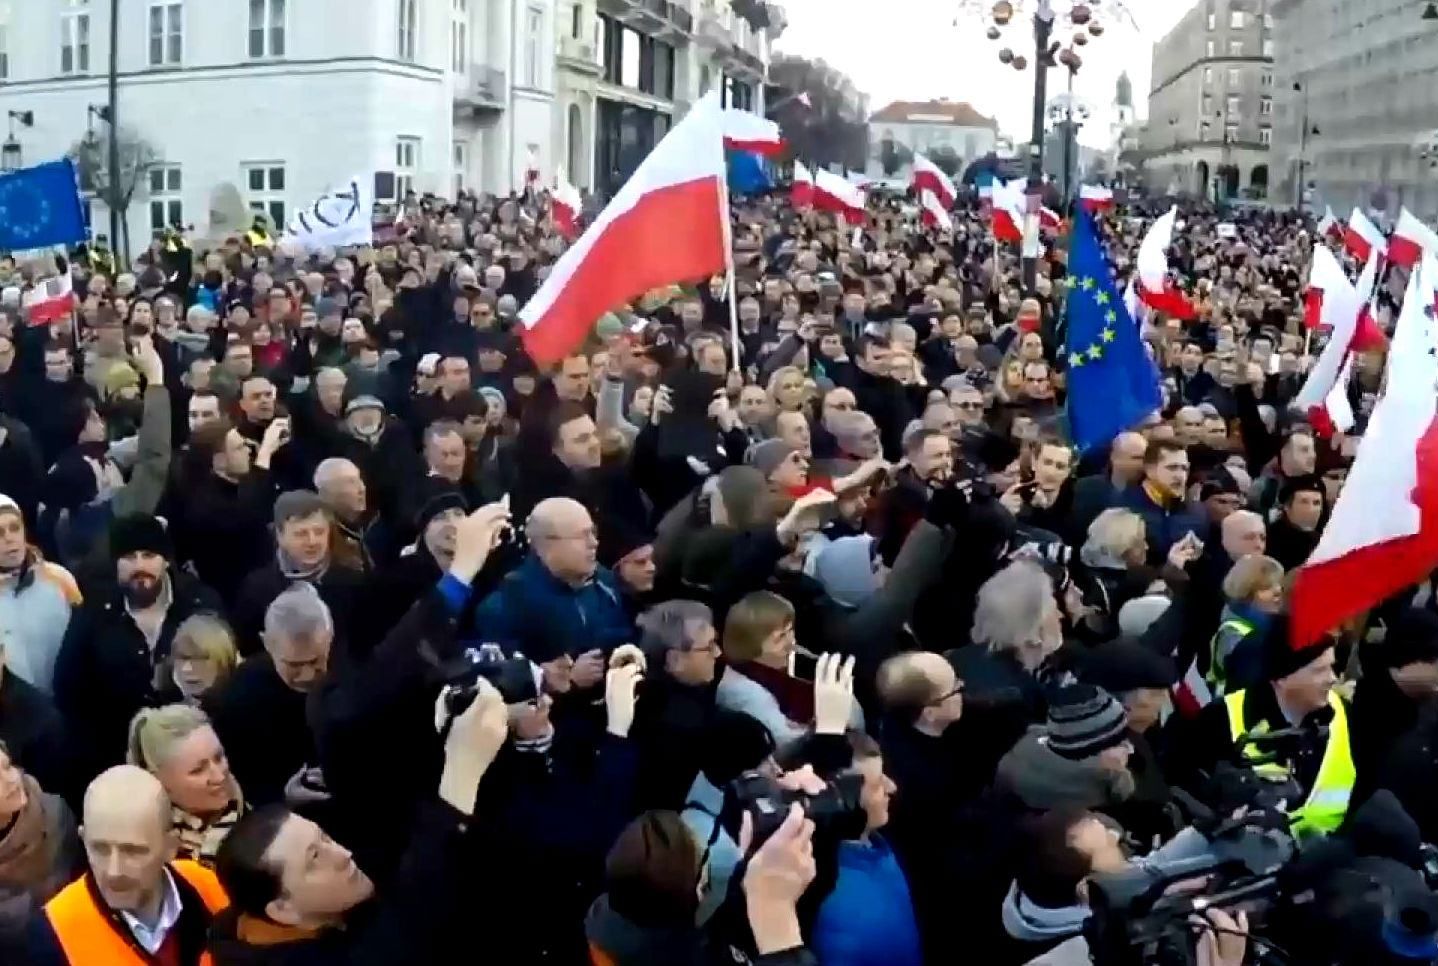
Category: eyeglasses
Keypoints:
(969, 405)
(958, 689)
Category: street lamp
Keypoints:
(1219, 176)
(1067, 114)
(11, 155)
(1056, 40)
(1304, 131)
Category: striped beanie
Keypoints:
(1084, 721)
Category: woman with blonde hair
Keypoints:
(202, 656)
(786, 390)
(1254, 590)
(176, 744)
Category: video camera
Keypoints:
(836, 811)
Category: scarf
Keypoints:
(28, 848)
(200, 840)
(291, 570)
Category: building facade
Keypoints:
(282, 99)
(1358, 104)
(930, 128)
(1211, 105)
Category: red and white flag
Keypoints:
(1050, 220)
(1155, 288)
(1329, 226)
(747, 131)
(664, 226)
(1192, 694)
(1329, 293)
(1411, 238)
(51, 300)
(1095, 198)
(933, 213)
(565, 205)
(1009, 202)
(928, 176)
(1343, 304)
(1383, 535)
(1361, 237)
(802, 192)
(836, 194)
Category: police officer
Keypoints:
(1298, 694)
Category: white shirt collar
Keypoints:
(152, 938)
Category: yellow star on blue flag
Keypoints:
(40, 206)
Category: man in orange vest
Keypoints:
(137, 905)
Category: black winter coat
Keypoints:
(340, 588)
(261, 722)
(224, 528)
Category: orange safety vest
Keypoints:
(87, 934)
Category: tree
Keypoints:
(947, 160)
(138, 157)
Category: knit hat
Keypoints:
(295, 505)
(766, 456)
(119, 377)
(363, 402)
(618, 538)
(608, 326)
(1085, 721)
(1125, 665)
(137, 532)
(732, 744)
(7, 505)
(1217, 482)
(1281, 658)
(441, 500)
(742, 489)
(846, 569)
(1412, 639)
(1293, 485)
(1140, 613)
(494, 398)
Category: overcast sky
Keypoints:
(911, 50)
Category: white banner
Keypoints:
(339, 217)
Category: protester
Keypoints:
(39, 850)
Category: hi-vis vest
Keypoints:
(1328, 800)
(258, 238)
(1234, 629)
(87, 934)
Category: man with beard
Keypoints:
(112, 661)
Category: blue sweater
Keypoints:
(537, 614)
(868, 920)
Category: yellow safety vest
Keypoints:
(259, 239)
(1327, 802)
(1216, 676)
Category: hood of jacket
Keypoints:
(1043, 779)
(1028, 922)
(846, 569)
(628, 944)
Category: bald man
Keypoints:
(1096, 493)
(560, 600)
(136, 905)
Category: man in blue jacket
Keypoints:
(1160, 498)
(559, 602)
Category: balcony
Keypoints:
(712, 33)
(578, 54)
(482, 89)
(668, 20)
(745, 63)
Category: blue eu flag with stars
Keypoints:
(40, 206)
(1111, 382)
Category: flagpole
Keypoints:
(729, 281)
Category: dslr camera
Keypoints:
(836, 811)
(515, 678)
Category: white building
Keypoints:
(282, 98)
(929, 127)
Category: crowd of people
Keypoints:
(337, 631)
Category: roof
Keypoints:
(953, 113)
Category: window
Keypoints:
(461, 165)
(1234, 105)
(1268, 21)
(1265, 106)
(1210, 48)
(406, 163)
(1206, 105)
(1207, 76)
(267, 28)
(459, 37)
(1235, 48)
(1267, 47)
(1212, 20)
(1230, 131)
(4, 53)
(611, 49)
(1236, 20)
(1266, 79)
(166, 207)
(533, 47)
(1265, 136)
(576, 21)
(629, 59)
(408, 21)
(75, 40)
(265, 189)
(1235, 75)
(167, 34)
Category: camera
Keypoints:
(515, 678)
(836, 811)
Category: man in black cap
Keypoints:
(1293, 534)
(1220, 494)
(1299, 696)
(112, 662)
(627, 548)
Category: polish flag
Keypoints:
(1342, 306)
(1329, 292)
(1410, 240)
(1049, 220)
(928, 176)
(747, 131)
(1329, 226)
(1192, 694)
(933, 213)
(664, 226)
(1009, 202)
(1362, 237)
(1155, 288)
(565, 205)
(1095, 198)
(1383, 534)
(802, 193)
(50, 300)
(833, 193)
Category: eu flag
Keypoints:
(40, 206)
(1111, 384)
(746, 173)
